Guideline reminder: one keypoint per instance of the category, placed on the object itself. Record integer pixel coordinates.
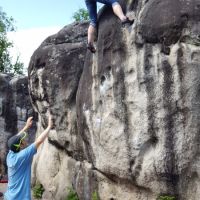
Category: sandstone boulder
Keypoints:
(126, 118)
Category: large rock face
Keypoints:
(131, 130)
(15, 107)
(54, 74)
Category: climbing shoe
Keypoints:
(91, 47)
(127, 21)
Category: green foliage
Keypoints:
(6, 25)
(81, 15)
(17, 67)
(38, 191)
(72, 195)
(95, 196)
(166, 198)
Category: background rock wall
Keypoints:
(15, 107)
(126, 118)
(54, 73)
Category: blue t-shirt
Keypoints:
(19, 174)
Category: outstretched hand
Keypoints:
(29, 122)
(50, 122)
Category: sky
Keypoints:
(35, 20)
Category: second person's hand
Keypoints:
(50, 122)
(29, 122)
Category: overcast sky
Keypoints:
(35, 21)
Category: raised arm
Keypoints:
(40, 139)
(27, 126)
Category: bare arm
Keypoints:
(27, 126)
(40, 139)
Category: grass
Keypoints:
(95, 196)
(72, 195)
(166, 197)
(38, 191)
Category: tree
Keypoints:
(80, 15)
(6, 25)
(18, 66)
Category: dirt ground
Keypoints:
(3, 187)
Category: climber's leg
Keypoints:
(92, 10)
(91, 35)
(117, 9)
